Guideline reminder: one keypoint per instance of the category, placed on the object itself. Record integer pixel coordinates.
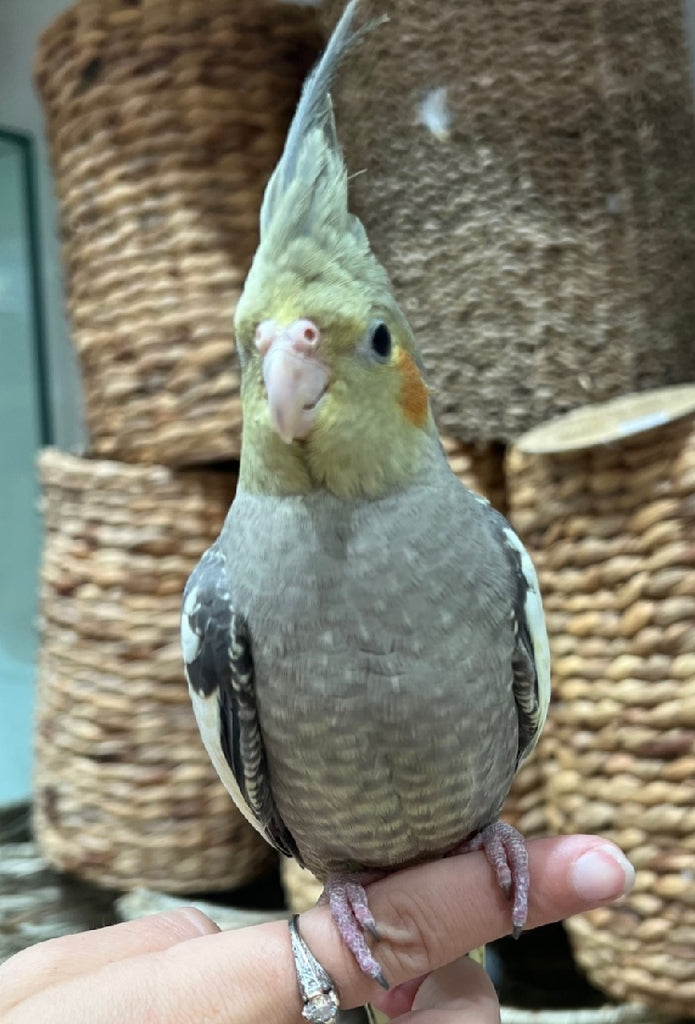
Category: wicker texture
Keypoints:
(480, 468)
(544, 241)
(165, 119)
(125, 794)
(611, 528)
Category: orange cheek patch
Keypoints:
(413, 396)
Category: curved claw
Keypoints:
(382, 981)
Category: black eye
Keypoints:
(381, 340)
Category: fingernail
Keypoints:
(603, 873)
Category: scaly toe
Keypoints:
(505, 849)
(350, 910)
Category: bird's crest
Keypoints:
(306, 196)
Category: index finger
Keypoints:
(429, 916)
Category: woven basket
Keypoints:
(605, 500)
(530, 188)
(165, 119)
(124, 792)
(480, 468)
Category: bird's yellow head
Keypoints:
(332, 385)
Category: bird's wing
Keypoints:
(219, 668)
(531, 654)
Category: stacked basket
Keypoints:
(165, 118)
(124, 791)
(613, 537)
(528, 181)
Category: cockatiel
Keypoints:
(364, 643)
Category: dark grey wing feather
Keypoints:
(219, 660)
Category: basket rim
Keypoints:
(610, 422)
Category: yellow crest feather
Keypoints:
(307, 195)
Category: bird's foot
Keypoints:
(346, 897)
(505, 848)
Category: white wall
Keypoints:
(21, 21)
(19, 520)
(20, 538)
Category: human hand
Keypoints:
(177, 968)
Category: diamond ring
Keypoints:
(319, 995)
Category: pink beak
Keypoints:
(295, 378)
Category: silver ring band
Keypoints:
(319, 995)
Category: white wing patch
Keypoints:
(190, 640)
(207, 715)
(535, 619)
